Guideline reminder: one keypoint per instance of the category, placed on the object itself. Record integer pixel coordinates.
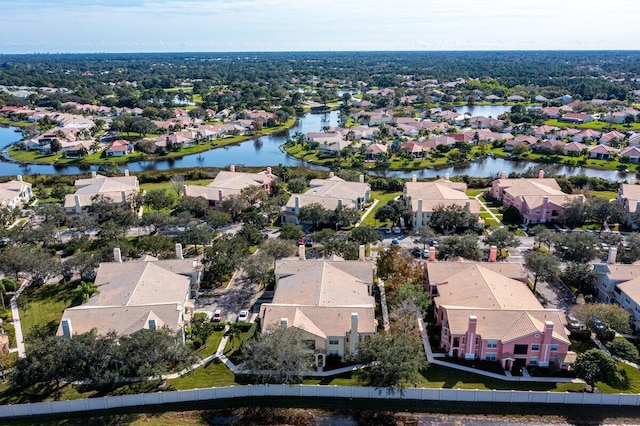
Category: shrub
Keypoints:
(606, 335)
(624, 349)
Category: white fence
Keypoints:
(421, 394)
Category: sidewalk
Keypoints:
(369, 210)
(16, 319)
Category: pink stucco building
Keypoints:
(485, 311)
(538, 200)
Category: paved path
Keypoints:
(16, 319)
(484, 206)
(369, 210)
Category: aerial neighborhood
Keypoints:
(392, 230)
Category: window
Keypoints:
(535, 347)
(464, 340)
(492, 344)
(533, 361)
(520, 349)
(490, 357)
(553, 360)
(336, 353)
(554, 348)
(333, 341)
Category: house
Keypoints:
(134, 296)
(549, 145)
(119, 148)
(630, 154)
(538, 200)
(121, 190)
(485, 311)
(575, 149)
(574, 117)
(15, 193)
(228, 183)
(612, 138)
(551, 112)
(330, 302)
(543, 131)
(416, 149)
(619, 283)
(601, 152)
(634, 139)
(629, 198)
(515, 98)
(376, 151)
(426, 196)
(329, 193)
(619, 116)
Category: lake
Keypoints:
(266, 151)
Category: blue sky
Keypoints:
(28, 26)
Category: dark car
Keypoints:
(416, 251)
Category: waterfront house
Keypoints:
(119, 148)
(15, 193)
(121, 190)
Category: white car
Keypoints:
(243, 316)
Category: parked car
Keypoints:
(395, 242)
(243, 316)
(308, 242)
(217, 315)
(397, 230)
(573, 322)
(597, 323)
(416, 251)
(301, 242)
(425, 254)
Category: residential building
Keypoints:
(538, 200)
(120, 189)
(228, 183)
(329, 193)
(629, 198)
(136, 295)
(427, 196)
(119, 148)
(485, 311)
(330, 302)
(15, 193)
(619, 283)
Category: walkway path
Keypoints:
(484, 206)
(16, 319)
(369, 210)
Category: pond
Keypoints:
(267, 151)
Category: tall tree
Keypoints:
(595, 366)
(450, 217)
(465, 246)
(278, 356)
(158, 199)
(394, 361)
(577, 248)
(543, 266)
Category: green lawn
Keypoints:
(383, 198)
(475, 191)
(168, 187)
(610, 195)
(44, 305)
(213, 374)
(596, 125)
(633, 385)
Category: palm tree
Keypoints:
(84, 291)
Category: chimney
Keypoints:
(94, 174)
(126, 172)
(301, 252)
(472, 324)
(339, 202)
(493, 254)
(220, 195)
(419, 214)
(361, 178)
(470, 349)
(331, 175)
(284, 322)
(503, 175)
(545, 206)
(613, 252)
(184, 190)
(541, 174)
(19, 178)
(297, 205)
(581, 198)
(353, 335)
(124, 196)
(232, 168)
(446, 176)
(467, 205)
(414, 178)
(179, 251)
(117, 256)
(67, 330)
(548, 332)
(78, 207)
(432, 254)
(269, 170)
(361, 252)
